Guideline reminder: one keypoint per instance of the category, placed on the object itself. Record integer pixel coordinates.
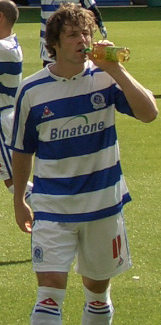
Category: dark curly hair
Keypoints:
(68, 13)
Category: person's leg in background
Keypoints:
(6, 121)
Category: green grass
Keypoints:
(135, 301)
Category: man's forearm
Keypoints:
(140, 100)
(22, 166)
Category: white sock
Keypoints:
(27, 194)
(98, 308)
(47, 310)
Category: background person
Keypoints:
(22, 2)
(49, 6)
(10, 77)
(79, 189)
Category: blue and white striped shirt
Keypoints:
(10, 70)
(70, 126)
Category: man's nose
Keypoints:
(82, 37)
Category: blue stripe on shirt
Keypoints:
(107, 212)
(11, 68)
(7, 90)
(24, 89)
(50, 8)
(83, 100)
(79, 184)
(72, 147)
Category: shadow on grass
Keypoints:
(14, 262)
(32, 15)
(157, 96)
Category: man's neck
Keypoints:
(5, 33)
(66, 71)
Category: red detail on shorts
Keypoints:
(119, 244)
(116, 246)
(49, 301)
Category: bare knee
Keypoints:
(52, 279)
(96, 286)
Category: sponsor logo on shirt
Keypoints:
(82, 128)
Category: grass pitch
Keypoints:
(135, 301)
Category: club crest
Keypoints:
(37, 255)
(98, 101)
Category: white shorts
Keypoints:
(101, 247)
(6, 123)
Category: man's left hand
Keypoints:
(103, 31)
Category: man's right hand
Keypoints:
(24, 217)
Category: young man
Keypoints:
(10, 77)
(49, 6)
(65, 116)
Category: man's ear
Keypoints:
(1, 15)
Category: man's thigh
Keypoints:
(103, 250)
(54, 246)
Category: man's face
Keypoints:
(72, 41)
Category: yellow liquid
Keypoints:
(111, 53)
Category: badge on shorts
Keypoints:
(37, 255)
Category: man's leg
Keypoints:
(98, 309)
(6, 120)
(53, 250)
(50, 296)
(102, 254)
